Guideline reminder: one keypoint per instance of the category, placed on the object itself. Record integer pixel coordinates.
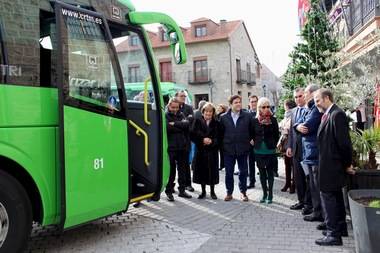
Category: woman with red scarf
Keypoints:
(266, 135)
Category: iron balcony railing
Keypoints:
(359, 13)
(167, 77)
(199, 77)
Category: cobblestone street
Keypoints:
(196, 226)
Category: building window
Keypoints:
(249, 94)
(134, 41)
(239, 92)
(249, 79)
(238, 70)
(258, 71)
(200, 70)
(164, 36)
(134, 74)
(166, 71)
(200, 31)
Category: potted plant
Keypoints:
(365, 215)
(365, 145)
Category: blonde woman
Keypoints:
(266, 135)
(204, 133)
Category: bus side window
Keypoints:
(2, 51)
(48, 50)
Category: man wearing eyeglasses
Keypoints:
(187, 110)
(294, 149)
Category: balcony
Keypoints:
(199, 77)
(359, 12)
(241, 77)
(167, 77)
(251, 80)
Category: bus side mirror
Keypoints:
(177, 41)
(175, 45)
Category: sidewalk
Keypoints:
(192, 225)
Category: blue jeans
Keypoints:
(229, 163)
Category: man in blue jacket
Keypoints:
(307, 126)
(236, 132)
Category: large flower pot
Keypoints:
(365, 221)
(364, 179)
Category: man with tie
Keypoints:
(294, 149)
(335, 158)
(307, 126)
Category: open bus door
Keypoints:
(93, 127)
(144, 112)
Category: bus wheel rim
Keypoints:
(4, 224)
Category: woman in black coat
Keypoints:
(266, 135)
(204, 133)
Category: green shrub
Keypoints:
(374, 204)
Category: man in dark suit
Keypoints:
(294, 149)
(335, 159)
(251, 164)
(307, 126)
(236, 135)
(187, 110)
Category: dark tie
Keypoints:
(299, 113)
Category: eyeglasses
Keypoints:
(265, 107)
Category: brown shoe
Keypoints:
(244, 197)
(228, 197)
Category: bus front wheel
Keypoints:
(15, 215)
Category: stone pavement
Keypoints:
(196, 226)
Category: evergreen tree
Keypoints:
(314, 59)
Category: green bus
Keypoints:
(66, 138)
(168, 90)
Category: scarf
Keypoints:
(264, 119)
(288, 114)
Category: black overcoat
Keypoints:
(205, 162)
(335, 150)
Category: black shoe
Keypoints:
(170, 196)
(137, 204)
(221, 168)
(297, 206)
(184, 195)
(202, 195)
(236, 173)
(343, 234)
(307, 211)
(285, 188)
(322, 226)
(312, 218)
(251, 186)
(329, 241)
(213, 195)
(189, 188)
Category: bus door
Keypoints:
(143, 111)
(93, 127)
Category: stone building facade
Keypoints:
(221, 61)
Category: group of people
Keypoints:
(222, 136)
(313, 137)
(319, 149)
